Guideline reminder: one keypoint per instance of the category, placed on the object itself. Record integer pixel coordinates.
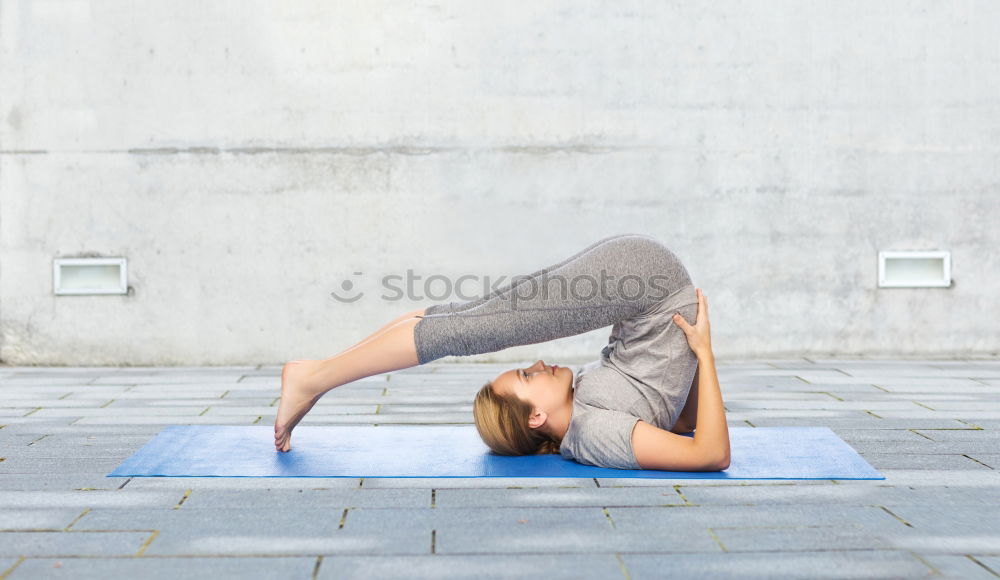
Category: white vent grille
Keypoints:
(911, 269)
(89, 276)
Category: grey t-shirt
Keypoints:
(644, 372)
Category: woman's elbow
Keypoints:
(715, 458)
(724, 463)
(716, 465)
(719, 463)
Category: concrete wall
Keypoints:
(248, 157)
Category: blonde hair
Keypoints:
(502, 422)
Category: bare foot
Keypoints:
(298, 395)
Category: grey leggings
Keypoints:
(611, 280)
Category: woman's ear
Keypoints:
(537, 419)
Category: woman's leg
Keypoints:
(614, 280)
(303, 382)
(408, 315)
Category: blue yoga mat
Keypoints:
(457, 451)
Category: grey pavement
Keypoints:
(932, 427)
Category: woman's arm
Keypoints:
(708, 450)
(657, 448)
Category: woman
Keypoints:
(624, 410)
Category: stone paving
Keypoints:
(931, 427)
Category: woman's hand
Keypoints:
(698, 336)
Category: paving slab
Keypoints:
(985, 479)
(73, 543)
(861, 421)
(321, 499)
(80, 445)
(964, 567)
(163, 421)
(136, 398)
(12, 412)
(213, 410)
(52, 426)
(166, 378)
(806, 395)
(269, 401)
(37, 423)
(49, 519)
(945, 542)
(798, 538)
(432, 567)
(147, 568)
(988, 561)
(895, 383)
(64, 403)
(738, 387)
(961, 435)
(67, 481)
(523, 529)
(775, 516)
(932, 414)
(826, 405)
(44, 382)
(562, 497)
(14, 396)
(11, 440)
(212, 390)
(44, 465)
(122, 413)
(259, 530)
(928, 398)
(955, 462)
(886, 436)
(979, 404)
(841, 495)
(961, 519)
(79, 499)
(925, 447)
(450, 418)
(7, 565)
(784, 565)
(991, 460)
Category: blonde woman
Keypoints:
(654, 380)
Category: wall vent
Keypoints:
(913, 269)
(89, 276)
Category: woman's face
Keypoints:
(544, 387)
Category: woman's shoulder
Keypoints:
(601, 437)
